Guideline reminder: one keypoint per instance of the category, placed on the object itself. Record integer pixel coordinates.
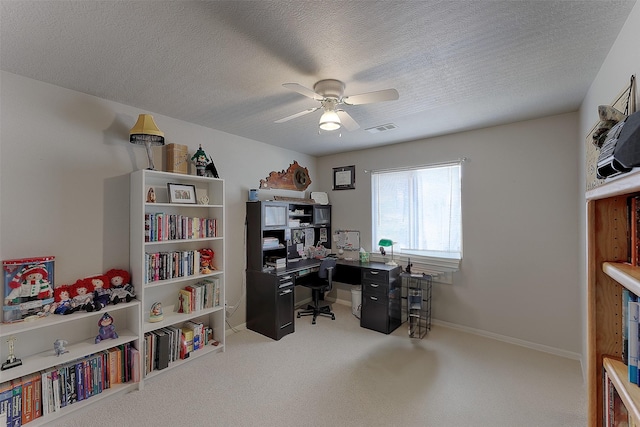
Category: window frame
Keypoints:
(430, 261)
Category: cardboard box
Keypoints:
(177, 158)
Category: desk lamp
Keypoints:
(385, 243)
(145, 132)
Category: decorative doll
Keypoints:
(106, 328)
(82, 296)
(201, 161)
(58, 347)
(63, 303)
(29, 284)
(119, 286)
(206, 260)
(101, 293)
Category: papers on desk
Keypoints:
(270, 243)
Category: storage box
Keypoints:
(177, 158)
(28, 287)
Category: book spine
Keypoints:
(633, 341)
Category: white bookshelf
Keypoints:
(166, 291)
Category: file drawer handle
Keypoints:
(374, 272)
(374, 298)
(284, 285)
(373, 285)
(288, 291)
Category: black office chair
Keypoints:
(319, 287)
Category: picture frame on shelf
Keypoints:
(182, 193)
(344, 178)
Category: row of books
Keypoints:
(171, 264)
(24, 399)
(166, 345)
(199, 296)
(615, 414)
(631, 333)
(633, 205)
(163, 226)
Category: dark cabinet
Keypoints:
(381, 299)
(275, 231)
(270, 304)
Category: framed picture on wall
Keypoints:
(344, 178)
(182, 193)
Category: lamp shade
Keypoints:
(329, 121)
(145, 131)
(385, 242)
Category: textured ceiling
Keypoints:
(457, 65)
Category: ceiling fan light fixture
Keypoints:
(330, 121)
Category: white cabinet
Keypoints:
(165, 242)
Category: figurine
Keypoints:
(119, 286)
(201, 161)
(206, 261)
(29, 284)
(211, 171)
(106, 328)
(155, 315)
(151, 195)
(12, 360)
(58, 347)
(63, 303)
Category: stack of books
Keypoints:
(276, 262)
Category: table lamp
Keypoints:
(385, 243)
(145, 132)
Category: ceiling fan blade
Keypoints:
(303, 90)
(347, 121)
(371, 97)
(296, 115)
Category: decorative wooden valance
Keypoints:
(295, 178)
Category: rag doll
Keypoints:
(101, 292)
(119, 286)
(63, 303)
(82, 296)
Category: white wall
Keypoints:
(622, 61)
(64, 178)
(519, 273)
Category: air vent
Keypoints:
(381, 128)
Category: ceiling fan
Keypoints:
(330, 93)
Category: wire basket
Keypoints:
(416, 301)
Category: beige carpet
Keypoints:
(336, 373)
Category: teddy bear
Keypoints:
(119, 286)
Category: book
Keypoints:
(184, 303)
(135, 365)
(27, 399)
(16, 402)
(188, 338)
(163, 341)
(6, 398)
(634, 308)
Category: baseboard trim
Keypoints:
(474, 331)
(511, 340)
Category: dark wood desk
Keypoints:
(270, 296)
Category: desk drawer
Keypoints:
(371, 274)
(369, 287)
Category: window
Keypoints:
(419, 209)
